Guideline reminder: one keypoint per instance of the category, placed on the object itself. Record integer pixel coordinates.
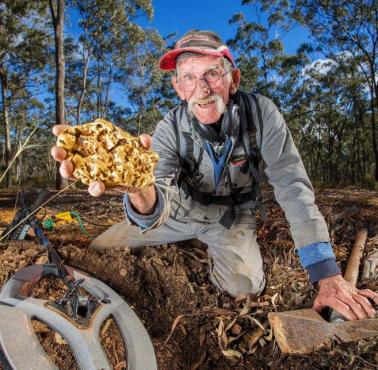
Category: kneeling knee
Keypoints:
(241, 284)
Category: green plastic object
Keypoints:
(49, 224)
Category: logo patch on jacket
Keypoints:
(238, 161)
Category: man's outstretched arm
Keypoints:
(294, 193)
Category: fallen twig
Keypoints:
(19, 151)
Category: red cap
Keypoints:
(202, 42)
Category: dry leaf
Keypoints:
(257, 322)
(123, 272)
(121, 365)
(220, 327)
(258, 304)
(199, 362)
(177, 319)
(246, 307)
(252, 350)
(202, 338)
(232, 354)
(58, 338)
(231, 324)
(241, 297)
(40, 327)
(273, 299)
(183, 330)
(222, 337)
(41, 260)
(106, 326)
(232, 339)
(253, 339)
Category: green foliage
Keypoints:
(114, 51)
(111, 51)
(23, 54)
(327, 90)
(330, 105)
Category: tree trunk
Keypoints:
(375, 148)
(105, 110)
(373, 121)
(99, 83)
(4, 85)
(84, 87)
(57, 14)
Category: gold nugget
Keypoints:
(101, 151)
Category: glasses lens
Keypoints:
(211, 78)
(188, 82)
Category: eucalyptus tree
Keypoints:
(110, 37)
(149, 91)
(341, 28)
(23, 54)
(258, 42)
(57, 11)
(347, 28)
(331, 104)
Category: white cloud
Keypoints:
(322, 66)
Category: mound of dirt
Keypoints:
(193, 326)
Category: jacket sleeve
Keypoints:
(319, 261)
(295, 194)
(287, 175)
(166, 174)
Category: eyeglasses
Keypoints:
(212, 78)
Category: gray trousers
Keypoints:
(237, 263)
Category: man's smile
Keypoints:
(205, 103)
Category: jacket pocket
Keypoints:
(239, 173)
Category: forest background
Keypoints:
(106, 65)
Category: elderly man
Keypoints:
(207, 182)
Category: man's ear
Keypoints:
(177, 88)
(236, 75)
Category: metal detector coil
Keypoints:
(21, 346)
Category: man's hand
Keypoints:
(346, 299)
(96, 188)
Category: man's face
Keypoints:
(207, 101)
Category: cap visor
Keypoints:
(168, 61)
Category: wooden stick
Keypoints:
(352, 271)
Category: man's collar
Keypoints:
(229, 123)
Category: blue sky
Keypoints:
(181, 16)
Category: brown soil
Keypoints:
(192, 326)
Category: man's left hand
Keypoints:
(335, 292)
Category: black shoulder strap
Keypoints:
(185, 149)
(259, 115)
(250, 103)
(177, 135)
